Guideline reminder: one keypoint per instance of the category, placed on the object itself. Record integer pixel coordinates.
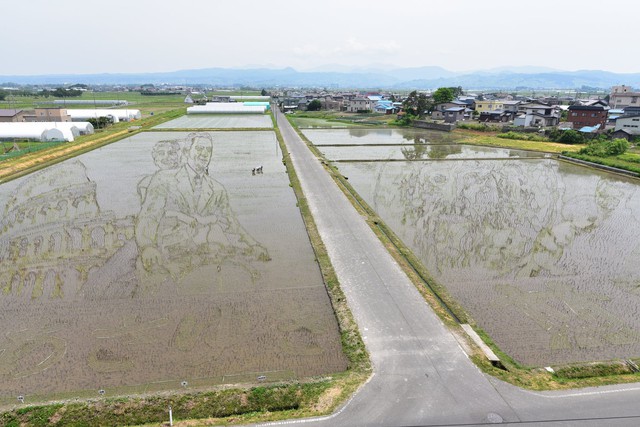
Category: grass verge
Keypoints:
(491, 139)
(626, 162)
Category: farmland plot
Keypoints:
(219, 121)
(156, 262)
(542, 254)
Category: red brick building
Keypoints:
(588, 115)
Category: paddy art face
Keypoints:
(167, 155)
(200, 154)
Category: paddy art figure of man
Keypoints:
(167, 156)
(186, 221)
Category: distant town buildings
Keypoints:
(624, 96)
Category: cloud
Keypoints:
(351, 47)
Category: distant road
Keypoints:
(422, 377)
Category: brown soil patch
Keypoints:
(328, 399)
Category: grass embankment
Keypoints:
(492, 139)
(627, 161)
(311, 397)
(452, 314)
(33, 161)
(332, 119)
(211, 407)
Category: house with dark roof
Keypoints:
(438, 112)
(454, 114)
(12, 115)
(498, 116)
(588, 115)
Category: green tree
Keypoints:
(101, 122)
(264, 92)
(443, 94)
(65, 93)
(415, 104)
(314, 105)
(457, 91)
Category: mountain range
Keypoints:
(336, 77)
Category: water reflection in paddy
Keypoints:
(422, 152)
(543, 254)
(369, 136)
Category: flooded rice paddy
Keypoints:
(219, 121)
(421, 152)
(162, 258)
(543, 254)
(367, 136)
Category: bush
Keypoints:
(604, 148)
(570, 137)
(522, 136)
(479, 127)
(617, 146)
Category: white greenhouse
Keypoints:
(226, 108)
(31, 131)
(45, 131)
(116, 115)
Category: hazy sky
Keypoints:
(119, 36)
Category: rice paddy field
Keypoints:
(422, 152)
(219, 121)
(166, 260)
(541, 253)
(366, 136)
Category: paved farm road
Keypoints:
(421, 375)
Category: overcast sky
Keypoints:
(121, 36)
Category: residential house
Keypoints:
(539, 115)
(631, 111)
(12, 115)
(613, 114)
(624, 134)
(438, 112)
(385, 107)
(588, 115)
(623, 96)
(511, 106)
(498, 116)
(220, 98)
(489, 105)
(55, 114)
(629, 125)
(454, 114)
(469, 100)
(361, 104)
(332, 103)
